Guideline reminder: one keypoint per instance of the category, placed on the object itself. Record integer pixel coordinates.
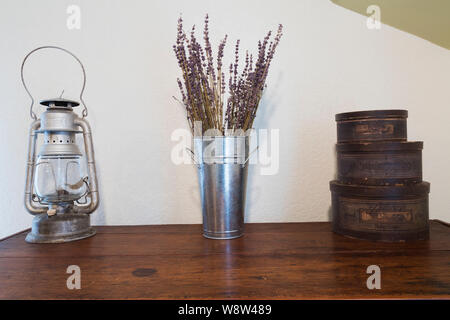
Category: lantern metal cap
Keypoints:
(59, 103)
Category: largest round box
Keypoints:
(383, 213)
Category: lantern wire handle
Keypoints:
(32, 114)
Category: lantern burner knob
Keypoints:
(59, 103)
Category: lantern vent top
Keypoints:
(59, 103)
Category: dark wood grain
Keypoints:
(272, 261)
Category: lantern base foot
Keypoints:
(60, 228)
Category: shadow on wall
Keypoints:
(425, 19)
(312, 187)
(265, 111)
(330, 209)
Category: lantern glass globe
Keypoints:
(59, 178)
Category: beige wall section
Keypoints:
(327, 62)
(426, 19)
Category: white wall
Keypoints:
(327, 62)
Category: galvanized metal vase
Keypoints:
(222, 173)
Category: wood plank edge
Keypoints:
(15, 234)
(447, 224)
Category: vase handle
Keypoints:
(250, 154)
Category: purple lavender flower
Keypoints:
(202, 86)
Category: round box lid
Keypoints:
(379, 146)
(417, 189)
(382, 114)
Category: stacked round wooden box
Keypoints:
(379, 193)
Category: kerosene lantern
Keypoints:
(59, 191)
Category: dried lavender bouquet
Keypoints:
(203, 83)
